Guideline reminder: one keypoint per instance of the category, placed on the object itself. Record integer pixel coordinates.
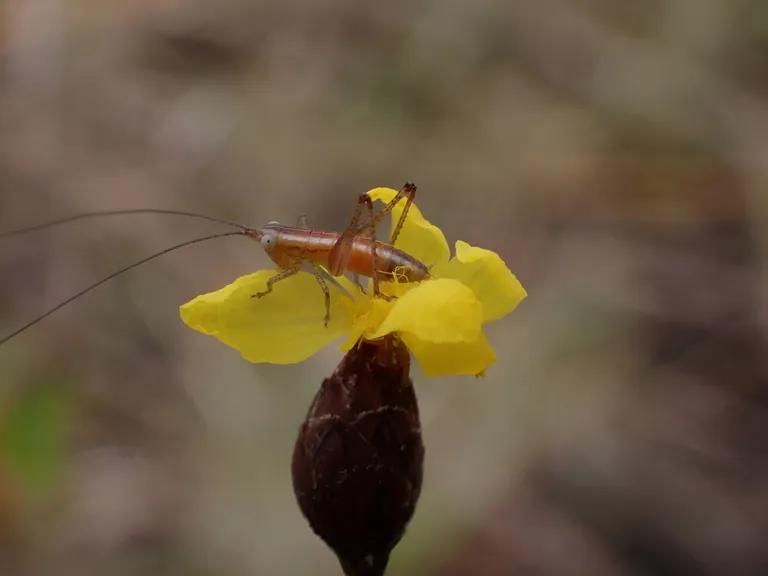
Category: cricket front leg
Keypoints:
(281, 275)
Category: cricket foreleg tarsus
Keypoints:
(281, 275)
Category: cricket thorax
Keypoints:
(290, 246)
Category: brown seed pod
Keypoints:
(357, 463)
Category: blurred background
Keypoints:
(614, 153)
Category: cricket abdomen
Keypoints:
(391, 263)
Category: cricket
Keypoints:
(326, 254)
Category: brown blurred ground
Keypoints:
(613, 153)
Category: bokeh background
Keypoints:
(614, 153)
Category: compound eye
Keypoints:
(267, 241)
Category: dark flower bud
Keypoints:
(357, 463)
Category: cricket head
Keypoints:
(268, 237)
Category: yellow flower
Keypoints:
(440, 320)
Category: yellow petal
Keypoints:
(441, 310)
(454, 358)
(488, 276)
(418, 237)
(283, 327)
(368, 316)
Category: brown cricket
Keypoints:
(293, 248)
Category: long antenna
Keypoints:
(97, 213)
(87, 289)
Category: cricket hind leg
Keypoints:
(342, 250)
(408, 191)
(370, 230)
